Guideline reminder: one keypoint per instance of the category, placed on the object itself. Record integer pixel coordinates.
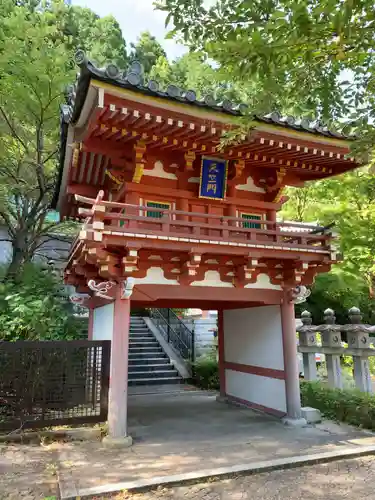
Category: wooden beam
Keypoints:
(82, 190)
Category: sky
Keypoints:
(135, 16)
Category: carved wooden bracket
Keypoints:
(239, 165)
(189, 159)
(77, 146)
(247, 273)
(127, 288)
(101, 289)
(130, 262)
(280, 174)
(140, 150)
(116, 176)
(190, 268)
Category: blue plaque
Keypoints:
(213, 179)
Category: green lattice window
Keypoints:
(251, 217)
(154, 204)
(122, 222)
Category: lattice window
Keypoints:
(156, 204)
(122, 222)
(251, 217)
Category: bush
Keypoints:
(345, 405)
(206, 373)
(34, 308)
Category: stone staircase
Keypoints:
(148, 363)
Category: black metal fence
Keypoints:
(53, 383)
(175, 332)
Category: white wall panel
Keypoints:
(103, 322)
(254, 337)
(264, 391)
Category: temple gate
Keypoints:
(170, 219)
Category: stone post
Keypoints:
(331, 338)
(359, 340)
(307, 338)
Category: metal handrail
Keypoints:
(175, 332)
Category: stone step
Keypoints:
(148, 343)
(144, 361)
(165, 367)
(149, 351)
(139, 337)
(153, 374)
(147, 354)
(139, 330)
(155, 381)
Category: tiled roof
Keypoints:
(132, 79)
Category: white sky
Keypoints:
(135, 16)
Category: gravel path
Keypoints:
(349, 479)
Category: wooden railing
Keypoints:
(126, 218)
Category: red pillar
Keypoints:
(91, 325)
(221, 352)
(293, 396)
(118, 387)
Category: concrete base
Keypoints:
(294, 422)
(222, 399)
(311, 415)
(123, 442)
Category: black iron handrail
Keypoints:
(175, 332)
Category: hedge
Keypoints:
(206, 373)
(345, 405)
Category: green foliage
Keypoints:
(349, 201)
(338, 291)
(147, 50)
(347, 405)
(206, 373)
(299, 50)
(37, 44)
(34, 308)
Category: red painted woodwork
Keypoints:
(255, 370)
(136, 149)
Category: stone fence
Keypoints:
(358, 340)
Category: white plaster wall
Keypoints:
(253, 337)
(263, 281)
(158, 171)
(103, 322)
(212, 278)
(250, 186)
(155, 276)
(268, 392)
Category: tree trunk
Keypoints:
(19, 256)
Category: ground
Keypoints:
(349, 479)
(177, 433)
(27, 472)
(335, 481)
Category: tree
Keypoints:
(33, 74)
(36, 64)
(34, 308)
(349, 202)
(147, 50)
(100, 38)
(320, 53)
